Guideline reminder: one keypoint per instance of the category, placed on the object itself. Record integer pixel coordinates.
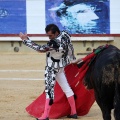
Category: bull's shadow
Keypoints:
(103, 76)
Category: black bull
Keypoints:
(103, 76)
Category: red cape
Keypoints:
(84, 98)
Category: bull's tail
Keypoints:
(117, 88)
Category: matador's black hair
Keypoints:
(53, 28)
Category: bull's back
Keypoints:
(106, 65)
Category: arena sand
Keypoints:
(16, 93)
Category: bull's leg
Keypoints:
(117, 113)
(117, 103)
(117, 93)
(105, 108)
(106, 114)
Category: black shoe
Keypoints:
(73, 116)
(42, 119)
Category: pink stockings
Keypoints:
(48, 106)
(46, 110)
(72, 104)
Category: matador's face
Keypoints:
(52, 35)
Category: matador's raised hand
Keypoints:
(23, 36)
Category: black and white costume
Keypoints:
(59, 53)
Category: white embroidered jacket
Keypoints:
(59, 52)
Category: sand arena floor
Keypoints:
(20, 85)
